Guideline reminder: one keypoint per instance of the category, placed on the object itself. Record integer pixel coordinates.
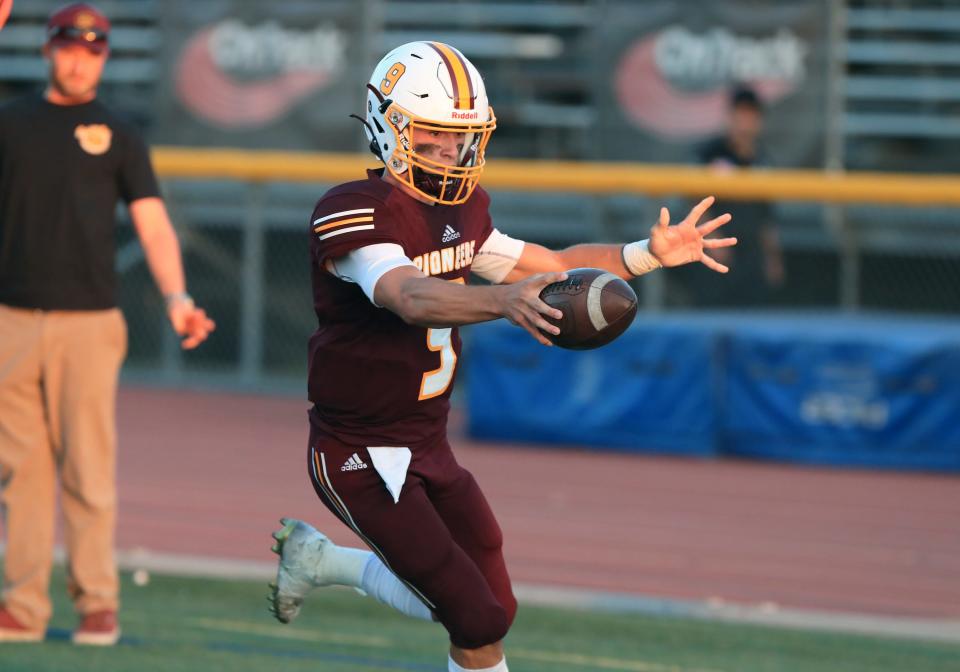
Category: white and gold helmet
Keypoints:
(431, 86)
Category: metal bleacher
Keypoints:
(902, 85)
(901, 112)
(530, 55)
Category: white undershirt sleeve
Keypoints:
(497, 257)
(364, 266)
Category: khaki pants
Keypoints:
(58, 388)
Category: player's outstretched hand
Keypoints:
(190, 322)
(687, 242)
(521, 304)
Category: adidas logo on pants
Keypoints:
(354, 463)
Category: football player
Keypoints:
(391, 256)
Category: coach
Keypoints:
(65, 159)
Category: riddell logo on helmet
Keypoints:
(465, 115)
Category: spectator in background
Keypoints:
(65, 159)
(756, 263)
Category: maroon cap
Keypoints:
(79, 23)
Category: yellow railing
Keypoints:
(588, 178)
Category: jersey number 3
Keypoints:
(436, 382)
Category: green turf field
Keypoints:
(176, 624)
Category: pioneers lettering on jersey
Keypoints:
(93, 138)
(446, 259)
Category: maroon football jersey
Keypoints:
(375, 380)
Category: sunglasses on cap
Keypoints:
(77, 34)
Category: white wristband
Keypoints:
(178, 297)
(638, 259)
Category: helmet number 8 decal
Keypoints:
(390, 79)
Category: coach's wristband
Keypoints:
(178, 297)
(638, 259)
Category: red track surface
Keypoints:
(210, 475)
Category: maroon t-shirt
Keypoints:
(375, 380)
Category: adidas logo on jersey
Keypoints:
(449, 234)
(353, 463)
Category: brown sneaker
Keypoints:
(99, 628)
(12, 630)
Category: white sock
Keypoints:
(499, 667)
(343, 566)
(385, 587)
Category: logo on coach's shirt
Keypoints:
(94, 138)
(449, 234)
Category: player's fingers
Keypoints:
(531, 327)
(540, 337)
(713, 264)
(664, 220)
(543, 279)
(697, 212)
(543, 308)
(543, 325)
(719, 242)
(531, 319)
(536, 333)
(709, 227)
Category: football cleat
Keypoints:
(301, 549)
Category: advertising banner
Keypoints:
(244, 73)
(859, 391)
(668, 69)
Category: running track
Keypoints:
(209, 475)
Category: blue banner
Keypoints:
(873, 391)
(650, 390)
(852, 392)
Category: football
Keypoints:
(597, 307)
